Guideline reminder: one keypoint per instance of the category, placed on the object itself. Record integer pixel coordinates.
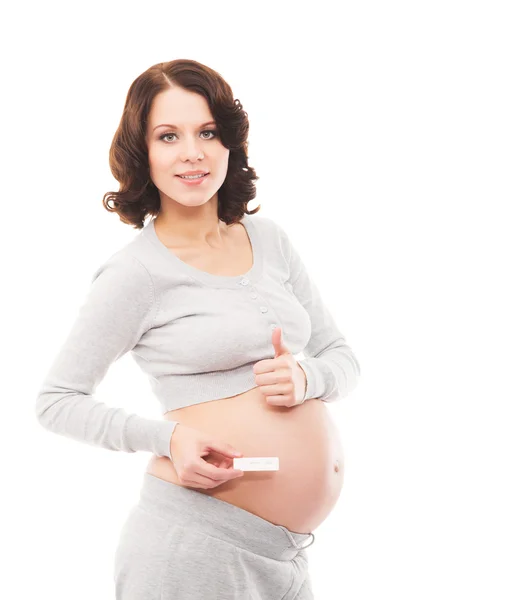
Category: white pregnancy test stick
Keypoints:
(256, 463)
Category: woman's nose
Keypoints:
(191, 150)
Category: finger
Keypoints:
(217, 458)
(277, 389)
(196, 479)
(278, 376)
(221, 463)
(278, 401)
(216, 474)
(226, 450)
(264, 366)
(275, 400)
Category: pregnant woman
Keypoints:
(213, 302)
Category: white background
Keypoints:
(382, 133)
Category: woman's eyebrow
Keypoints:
(175, 127)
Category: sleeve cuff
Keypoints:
(151, 435)
(316, 384)
(310, 373)
(164, 438)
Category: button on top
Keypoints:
(264, 309)
(244, 281)
(253, 295)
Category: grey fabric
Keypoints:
(178, 543)
(169, 315)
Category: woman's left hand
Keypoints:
(281, 379)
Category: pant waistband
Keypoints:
(217, 518)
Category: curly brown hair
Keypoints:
(128, 156)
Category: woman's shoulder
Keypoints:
(267, 225)
(123, 264)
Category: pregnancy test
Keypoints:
(256, 463)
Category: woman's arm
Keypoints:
(331, 368)
(119, 307)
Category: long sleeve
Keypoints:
(330, 366)
(118, 309)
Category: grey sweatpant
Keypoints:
(180, 544)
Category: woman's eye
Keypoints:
(214, 134)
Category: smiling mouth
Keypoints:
(193, 177)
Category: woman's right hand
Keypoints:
(188, 446)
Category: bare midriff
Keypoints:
(302, 493)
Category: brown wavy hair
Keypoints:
(128, 156)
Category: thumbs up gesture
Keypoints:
(281, 379)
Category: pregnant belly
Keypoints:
(301, 494)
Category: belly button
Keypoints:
(336, 467)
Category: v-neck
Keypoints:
(253, 274)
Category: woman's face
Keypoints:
(180, 140)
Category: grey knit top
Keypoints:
(195, 335)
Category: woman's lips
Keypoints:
(192, 182)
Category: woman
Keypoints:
(213, 302)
